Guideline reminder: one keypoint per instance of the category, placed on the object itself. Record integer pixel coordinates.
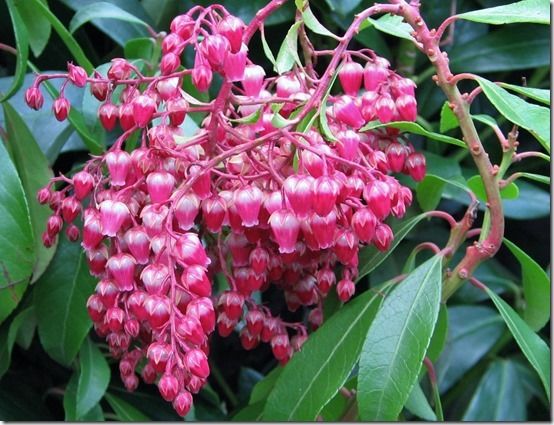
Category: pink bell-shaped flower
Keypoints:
(285, 227)
(122, 268)
(112, 216)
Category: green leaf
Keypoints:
(532, 346)
(370, 257)
(263, 387)
(472, 331)
(34, 173)
(249, 119)
(38, 27)
(540, 95)
(8, 335)
(397, 341)
(536, 177)
(124, 411)
(94, 378)
(70, 398)
(429, 192)
(288, 52)
(250, 413)
(536, 288)
(22, 47)
(102, 10)
(65, 35)
(534, 118)
(65, 285)
(316, 373)
(510, 48)
(448, 119)
(499, 395)
(335, 410)
(418, 404)
(438, 340)
(412, 127)
(312, 23)
(17, 252)
(267, 50)
(390, 24)
(475, 183)
(139, 48)
(533, 11)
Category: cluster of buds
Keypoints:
(260, 195)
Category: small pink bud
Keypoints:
(347, 145)
(202, 77)
(54, 225)
(173, 43)
(247, 340)
(232, 29)
(299, 192)
(107, 290)
(324, 229)
(231, 303)
(287, 85)
(325, 279)
(280, 345)
(259, 259)
(396, 156)
(346, 247)
(213, 212)
(119, 164)
(285, 227)
(61, 107)
(253, 80)
(77, 75)
(158, 309)
(190, 329)
(158, 353)
(183, 26)
(95, 308)
(255, 322)
(363, 224)
(108, 114)
(347, 112)
(169, 63)
(374, 76)
(189, 249)
(350, 76)
(197, 363)
(235, 64)
(202, 309)
(415, 166)
(345, 289)
(143, 109)
(114, 319)
(169, 387)
(126, 116)
(160, 185)
(177, 110)
(153, 219)
(83, 183)
(96, 260)
(70, 209)
(407, 107)
(135, 304)
(215, 49)
(92, 231)
(196, 281)
(383, 237)
(43, 196)
(325, 191)
(34, 98)
(182, 403)
(122, 268)
(377, 194)
(186, 210)
(155, 278)
(248, 202)
(98, 89)
(369, 98)
(385, 109)
(138, 242)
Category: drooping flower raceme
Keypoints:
(280, 185)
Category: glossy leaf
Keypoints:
(267, 50)
(370, 257)
(532, 346)
(312, 23)
(250, 413)
(17, 251)
(262, 389)
(448, 119)
(139, 48)
(499, 396)
(65, 285)
(540, 95)
(93, 379)
(472, 331)
(337, 408)
(414, 128)
(316, 373)
(65, 35)
(429, 192)
(38, 27)
(102, 10)
(34, 173)
(475, 183)
(125, 411)
(288, 52)
(342, 7)
(70, 397)
(440, 334)
(536, 288)
(534, 11)
(534, 118)
(22, 47)
(8, 335)
(397, 341)
(418, 404)
(496, 50)
(390, 24)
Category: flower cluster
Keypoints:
(281, 185)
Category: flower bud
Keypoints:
(253, 80)
(197, 363)
(143, 109)
(169, 387)
(83, 183)
(383, 237)
(77, 75)
(232, 29)
(182, 403)
(345, 289)
(122, 268)
(34, 98)
(285, 227)
(108, 114)
(350, 77)
(160, 185)
(415, 166)
(347, 112)
(215, 49)
(183, 26)
(61, 108)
